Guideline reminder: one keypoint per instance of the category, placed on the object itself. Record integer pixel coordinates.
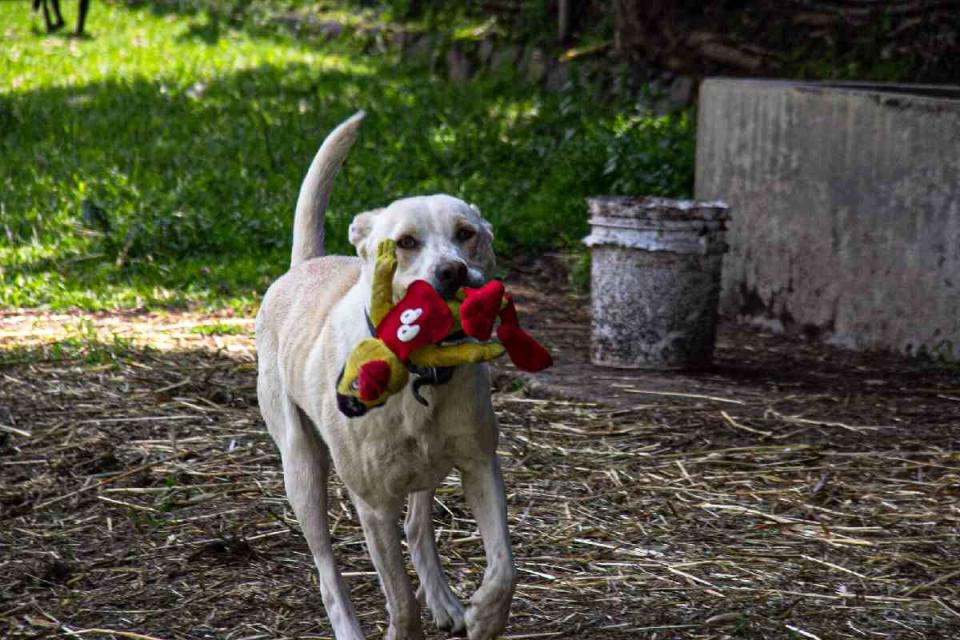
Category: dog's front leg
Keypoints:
(383, 542)
(444, 605)
(306, 465)
(490, 605)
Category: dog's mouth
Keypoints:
(447, 292)
(475, 278)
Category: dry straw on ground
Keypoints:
(791, 492)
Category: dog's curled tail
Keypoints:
(316, 187)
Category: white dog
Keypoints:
(310, 320)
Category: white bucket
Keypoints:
(655, 278)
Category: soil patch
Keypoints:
(792, 490)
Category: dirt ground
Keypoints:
(790, 491)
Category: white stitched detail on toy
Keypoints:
(407, 332)
(411, 315)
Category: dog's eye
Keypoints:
(408, 243)
(464, 234)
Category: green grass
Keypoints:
(156, 164)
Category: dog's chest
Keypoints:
(403, 449)
(406, 461)
(419, 464)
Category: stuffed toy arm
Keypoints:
(452, 355)
(478, 312)
(381, 295)
(525, 352)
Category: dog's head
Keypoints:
(440, 239)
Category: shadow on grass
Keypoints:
(209, 32)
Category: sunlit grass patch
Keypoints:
(79, 342)
(97, 339)
(220, 329)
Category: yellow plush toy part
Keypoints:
(413, 334)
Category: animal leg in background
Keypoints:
(82, 15)
(57, 22)
(51, 25)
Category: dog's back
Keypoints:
(295, 311)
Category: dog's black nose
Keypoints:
(450, 277)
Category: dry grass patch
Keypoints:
(791, 492)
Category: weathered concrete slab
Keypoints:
(846, 208)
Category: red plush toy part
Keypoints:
(525, 352)
(373, 380)
(479, 311)
(419, 319)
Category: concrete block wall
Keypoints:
(845, 209)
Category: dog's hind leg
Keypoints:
(447, 611)
(306, 466)
(383, 542)
(490, 605)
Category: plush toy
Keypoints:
(426, 335)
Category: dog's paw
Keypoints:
(394, 633)
(448, 614)
(488, 612)
(405, 622)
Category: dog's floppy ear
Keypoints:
(484, 255)
(359, 230)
